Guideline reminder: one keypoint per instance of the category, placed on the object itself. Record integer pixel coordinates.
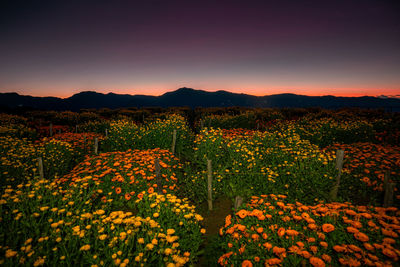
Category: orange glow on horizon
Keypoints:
(251, 90)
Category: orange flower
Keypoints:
(323, 244)
(390, 253)
(369, 247)
(281, 232)
(255, 237)
(150, 190)
(327, 227)
(326, 258)
(361, 237)
(247, 263)
(339, 249)
(127, 196)
(242, 213)
(260, 230)
(305, 254)
(118, 190)
(267, 245)
(352, 230)
(228, 220)
(311, 240)
(314, 249)
(388, 240)
(140, 195)
(312, 226)
(273, 261)
(278, 251)
(290, 232)
(317, 262)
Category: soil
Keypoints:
(213, 221)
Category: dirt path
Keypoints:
(213, 221)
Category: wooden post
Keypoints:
(96, 145)
(386, 178)
(106, 132)
(201, 125)
(339, 166)
(173, 142)
(76, 128)
(40, 164)
(238, 202)
(389, 191)
(209, 184)
(158, 175)
(51, 129)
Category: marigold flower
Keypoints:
(247, 263)
(317, 262)
(118, 190)
(273, 261)
(242, 213)
(327, 227)
(361, 237)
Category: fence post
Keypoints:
(173, 142)
(339, 166)
(76, 128)
(40, 165)
(96, 145)
(51, 129)
(238, 202)
(106, 132)
(201, 125)
(209, 184)
(389, 190)
(158, 176)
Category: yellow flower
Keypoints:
(149, 246)
(170, 231)
(203, 231)
(10, 253)
(85, 248)
(38, 262)
(141, 240)
(58, 240)
(167, 251)
(102, 237)
(156, 214)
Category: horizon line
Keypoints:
(205, 90)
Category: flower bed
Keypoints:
(269, 231)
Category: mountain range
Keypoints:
(191, 98)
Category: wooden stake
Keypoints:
(209, 184)
(173, 142)
(76, 128)
(389, 191)
(106, 132)
(339, 166)
(158, 175)
(201, 125)
(40, 164)
(96, 145)
(51, 129)
(238, 202)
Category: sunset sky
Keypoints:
(342, 48)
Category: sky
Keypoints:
(59, 48)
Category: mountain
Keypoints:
(192, 98)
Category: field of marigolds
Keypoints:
(134, 187)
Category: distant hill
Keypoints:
(192, 98)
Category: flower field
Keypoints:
(136, 203)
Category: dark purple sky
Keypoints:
(59, 48)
